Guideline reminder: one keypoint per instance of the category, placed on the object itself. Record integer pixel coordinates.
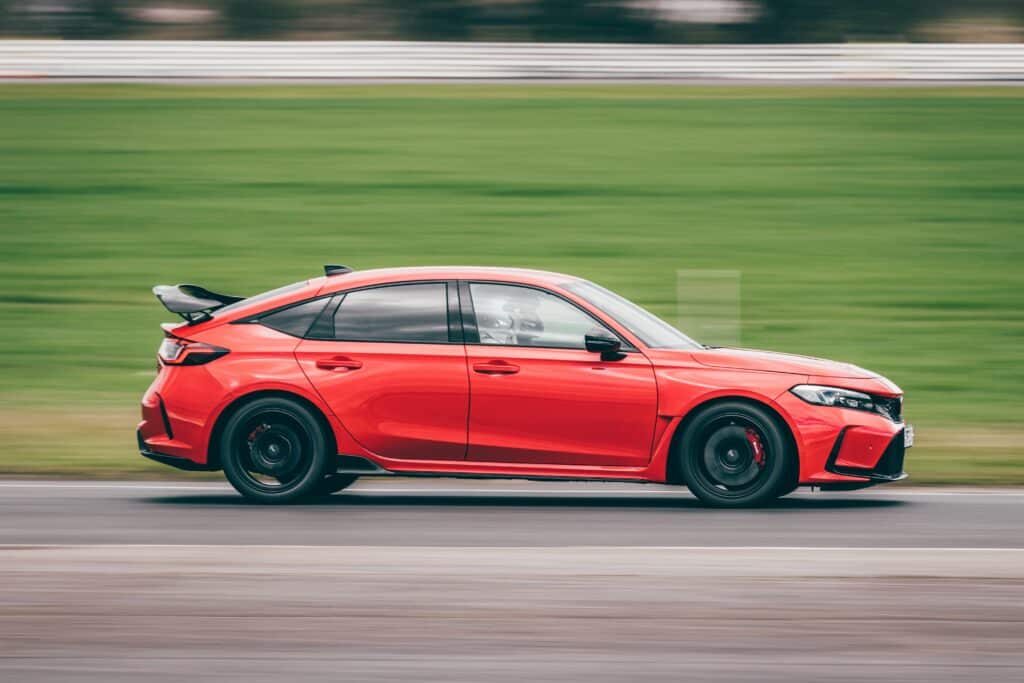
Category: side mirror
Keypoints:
(600, 341)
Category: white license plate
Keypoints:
(908, 436)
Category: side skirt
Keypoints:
(357, 465)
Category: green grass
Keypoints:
(878, 226)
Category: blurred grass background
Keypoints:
(880, 226)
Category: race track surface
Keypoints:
(445, 580)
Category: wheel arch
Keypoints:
(671, 465)
(213, 456)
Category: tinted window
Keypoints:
(295, 320)
(265, 296)
(399, 313)
(520, 316)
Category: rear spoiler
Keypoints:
(192, 302)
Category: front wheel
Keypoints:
(333, 483)
(274, 451)
(734, 454)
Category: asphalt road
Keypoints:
(507, 581)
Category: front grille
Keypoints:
(892, 408)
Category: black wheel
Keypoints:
(333, 483)
(274, 451)
(734, 454)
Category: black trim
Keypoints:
(164, 416)
(888, 468)
(455, 333)
(470, 333)
(839, 486)
(322, 328)
(527, 477)
(171, 460)
(355, 464)
(332, 269)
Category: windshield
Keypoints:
(649, 328)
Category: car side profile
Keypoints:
(488, 372)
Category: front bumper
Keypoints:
(889, 466)
(842, 447)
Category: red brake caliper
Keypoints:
(254, 433)
(755, 442)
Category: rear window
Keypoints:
(265, 296)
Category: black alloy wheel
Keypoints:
(734, 454)
(275, 451)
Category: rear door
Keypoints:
(390, 363)
(538, 396)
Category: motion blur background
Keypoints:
(632, 21)
(873, 223)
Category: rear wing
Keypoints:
(192, 302)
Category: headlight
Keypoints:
(834, 396)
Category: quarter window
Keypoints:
(509, 315)
(295, 320)
(396, 313)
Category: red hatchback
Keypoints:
(489, 372)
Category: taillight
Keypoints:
(176, 351)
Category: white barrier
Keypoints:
(411, 60)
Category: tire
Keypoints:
(275, 451)
(333, 483)
(734, 454)
(788, 489)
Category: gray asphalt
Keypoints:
(430, 512)
(444, 580)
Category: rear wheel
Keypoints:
(274, 451)
(733, 454)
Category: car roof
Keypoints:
(328, 284)
(361, 278)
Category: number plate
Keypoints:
(908, 436)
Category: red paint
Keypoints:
(488, 410)
(404, 401)
(561, 407)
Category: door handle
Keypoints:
(496, 367)
(339, 363)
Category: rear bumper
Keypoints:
(176, 412)
(174, 461)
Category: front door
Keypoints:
(385, 365)
(538, 396)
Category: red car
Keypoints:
(488, 372)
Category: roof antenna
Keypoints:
(331, 269)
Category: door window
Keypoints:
(396, 313)
(510, 315)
